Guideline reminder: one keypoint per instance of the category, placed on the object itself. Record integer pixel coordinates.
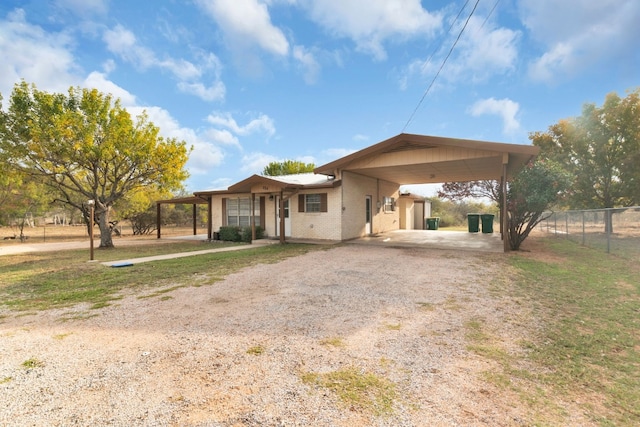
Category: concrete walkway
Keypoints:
(132, 261)
(433, 239)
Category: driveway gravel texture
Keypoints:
(234, 353)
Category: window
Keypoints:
(312, 202)
(389, 204)
(239, 211)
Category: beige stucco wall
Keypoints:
(216, 213)
(387, 221)
(354, 190)
(406, 213)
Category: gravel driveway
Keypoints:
(233, 353)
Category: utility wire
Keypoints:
(489, 15)
(448, 32)
(441, 67)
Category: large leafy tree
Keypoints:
(601, 150)
(21, 197)
(531, 193)
(287, 167)
(84, 145)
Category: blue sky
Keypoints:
(247, 82)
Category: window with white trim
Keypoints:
(389, 204)
(239, 211)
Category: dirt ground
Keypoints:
(188, 357)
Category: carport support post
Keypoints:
(158, 211)
(195, 228)
(281, 210)
(253, 216)
(504, 213)
(209, 217)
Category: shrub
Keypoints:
(232, 233)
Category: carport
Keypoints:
(192, 200)
(408, 159)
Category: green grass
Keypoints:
(256, 350)
(588, 347)
(32, 363)
(366, 392)
(40, 281)
(333, 342)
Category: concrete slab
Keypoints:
(436, 239)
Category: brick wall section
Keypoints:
(317, 225)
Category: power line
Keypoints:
(441, 67)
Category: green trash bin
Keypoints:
(474, 222)
(432, 223)
(487, 223)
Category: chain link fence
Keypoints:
(615, 231)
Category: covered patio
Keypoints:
(422, 159)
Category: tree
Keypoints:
(601, 150)
(531, 193)
(21, 197)
(287, 167)
(85, 146)
(471, 189)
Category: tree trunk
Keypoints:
(105, 230)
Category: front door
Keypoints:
(367, 214)
(287, 219)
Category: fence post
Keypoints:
(608, 226)
(583, 241)
(566, 225)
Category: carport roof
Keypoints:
(191, 200)
(423, 159)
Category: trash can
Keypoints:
(487, 223)
(474, 222)
(432, 223)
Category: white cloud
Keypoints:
(308, 63)
(30, 53)
(247, 23)
(262, 123)
(255, 162)
(214, 92)
(579, 33)
(482, 52)
(360, 138)
(123, 43)
(206, 153)
(504, 108)
(97, 80)
(370, 23)
(223, 136)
